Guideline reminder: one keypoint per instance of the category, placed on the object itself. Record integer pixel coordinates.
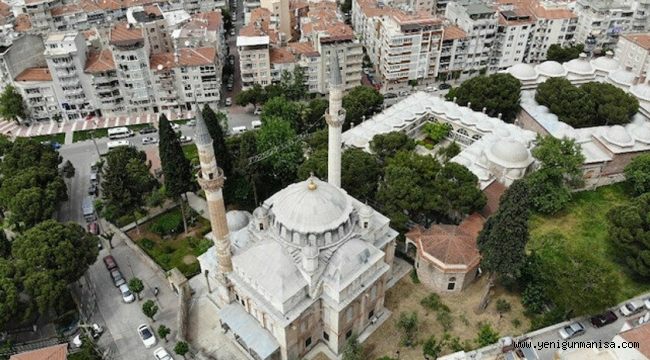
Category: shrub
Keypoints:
(167, 249)
(516, 322)
(167, 224)
(433, 302)
(408, 324)
(445, 319)
(503, 306)
(147, 244)
(414, 277)
(436, 131)
(432, 347)
(486, 335)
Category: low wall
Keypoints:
(142, 256)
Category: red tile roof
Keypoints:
(100, 62)
(56, 352)
(35, 74)
(125, 34)
(281, 56)
(493, 194)
(210, 20)
(450, 244)
(641, 336)
(453, 32)
(5, 11)
(303, 48)
(640, 39)
(23, 23)
(186, 57)
(66, 10)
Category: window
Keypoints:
(308, 342)
(452, 283)
(348, 314)
(365, 224)
(371, 314)
(348, 334)
(326, 336)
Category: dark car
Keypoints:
(148, 129)
(92, 189)
(117, 277)
(110, 262)
(603, 319)
(444, 86)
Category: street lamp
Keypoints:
(207, 281)
(92, 136)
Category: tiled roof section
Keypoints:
(641, 39)
(23, 23)
(208, 20)
(281, 56)
(56, 352)
(66, 10)
(5, 10)
(303, 48)
(298, 4)
(493, 194)
(90, 34)
(322, 18)
(259, 25)
(35, 74)
(90, 6)
(450, 244)
(100, 62)
(152, 10)
(124, 34)
(186, 57)
(523, 13)
(541, 10)
(641, 336)
(453, 32)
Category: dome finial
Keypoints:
(312, 184)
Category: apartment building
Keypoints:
(203, 30)
(130, 48)
(65, 53)
(7, 22)
(309, 60)
(633, 52)
(150, 19)
(453, 53)
(185, 77)
(280, 15)
(107, 96)
(515, 27)
(37, 88)
(69, 17)
(199, 6)
(39, 13)
(24, 52)
(601, 22)
(254, 60)
(281, 60)
(554, 23)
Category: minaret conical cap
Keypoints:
(201, 133)
(335, 71)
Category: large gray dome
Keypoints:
(509, 153)
(237, 220)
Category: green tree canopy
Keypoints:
(181, 348)
(136, 286)
(637, 173)
(12, 105)
(498, 93)
(389, 144)
(9, 291)
(436, 131)
(629, 232)
(486, 336)
(361, 101)
(214, 121)
(43, 255)
(150, 309)
(352, 350)
(563, 54)
(592, 104)
(282, 149)
(254, 95)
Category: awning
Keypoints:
(249, 331)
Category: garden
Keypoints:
(163, 239)
(83, 135)
(53, 138)
(434, 140)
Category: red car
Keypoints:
(93, 228)
(110, 262)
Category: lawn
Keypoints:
(88, 134)
(177, 250)
(59, 138)
(191, 153)
(584, 222)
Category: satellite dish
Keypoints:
(160, 67)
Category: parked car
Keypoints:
(431, 89)
(572, 330)
(148, 130)
(146, 335)
(191, 123)
(257, 111)
(93, 228)
(95, 331)
(110, 262)
(646, 302)
(54, 145)
(162, 354)
(175, 126)
(92, 189)
(228, 101)
(184, 139)
(229, 87)
(238, 130)
(117, 277)
(149, 140)
(603, 319)
(444, 86)
(631, 308)
(127, 295)
(256, 124)
(94, 177)
(232, 32)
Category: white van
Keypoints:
(256, 124)
(118, 143)
(238, 130)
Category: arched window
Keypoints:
(477, 137)
(462, 131)
(451, 285)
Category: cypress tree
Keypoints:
(212, 121)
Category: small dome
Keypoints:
(621, 77)
(642, 91)
(618, 136)
(509, 153)
(551, 69)
(237, 220)
(453, 112)
(366, 211)
(260, 212)
(485, 124)
(605, 63)
(469, 118)
(523, 72)
(579, 66)
(502, 132)
(641, 133)
(439, 107)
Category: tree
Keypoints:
(280, 107)
(68, 170)
(361, 101)
(352, 349)
(282, 148)
(436, 131)
(127, 180)
(314, 118)
(213, 122)
(575, 280)
(163, 331)
(175, 166)
(408, 325)
(12, 105)
(360, 171)
(43, 255)
(87, 351)
(227, 20)
(637, 173)
(486, 336)
(629, 231)
(254, 95)
(9, 291)
(498, 93)
(448, 152)
(389, 144)
(432, 347)
(317, 140)
(136, 286)
(149, 309)
(563, 54)
(181, 348)
(294, 84)
(5, 245)
(502, 241)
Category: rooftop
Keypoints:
(56, 352)
(640, 335)
(101, 61)
(124, 34)
(281, 56)
(453, 32)
(35, 74)
(640, 39)
(186, 57)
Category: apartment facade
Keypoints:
(150, 19)
(633, 52)
(280, 15)
(107, 95)
(601, 22)
(254, 60)
(36, 86)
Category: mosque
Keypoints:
(309, 266)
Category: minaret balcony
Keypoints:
(211, 181)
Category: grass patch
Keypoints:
(84, 135)
(191, 153)
(59, 138)
(584, 222)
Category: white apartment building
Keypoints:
(39, 14)
(65, 53)
(131, 51)
(203, 30)
(37, 89)
(107, 95)
(198, 6)
(555, 23)
(309, 60)
(150, 19)
(280, 15)
(69, 17)
(633, 52)
(23, 53)
(513, 35)
(254, 60)
(601, 22)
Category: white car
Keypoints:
(149, 140)
(256, 124)
(631, 308)
(127, 295)
(258, 111)
(238, 130)
(162, 354)
(146, 335)
(184, 139)
(646, 302)
(176, 126)
(572, 330)
(228, 101)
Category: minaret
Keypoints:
(211, 179)
(335, 118)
